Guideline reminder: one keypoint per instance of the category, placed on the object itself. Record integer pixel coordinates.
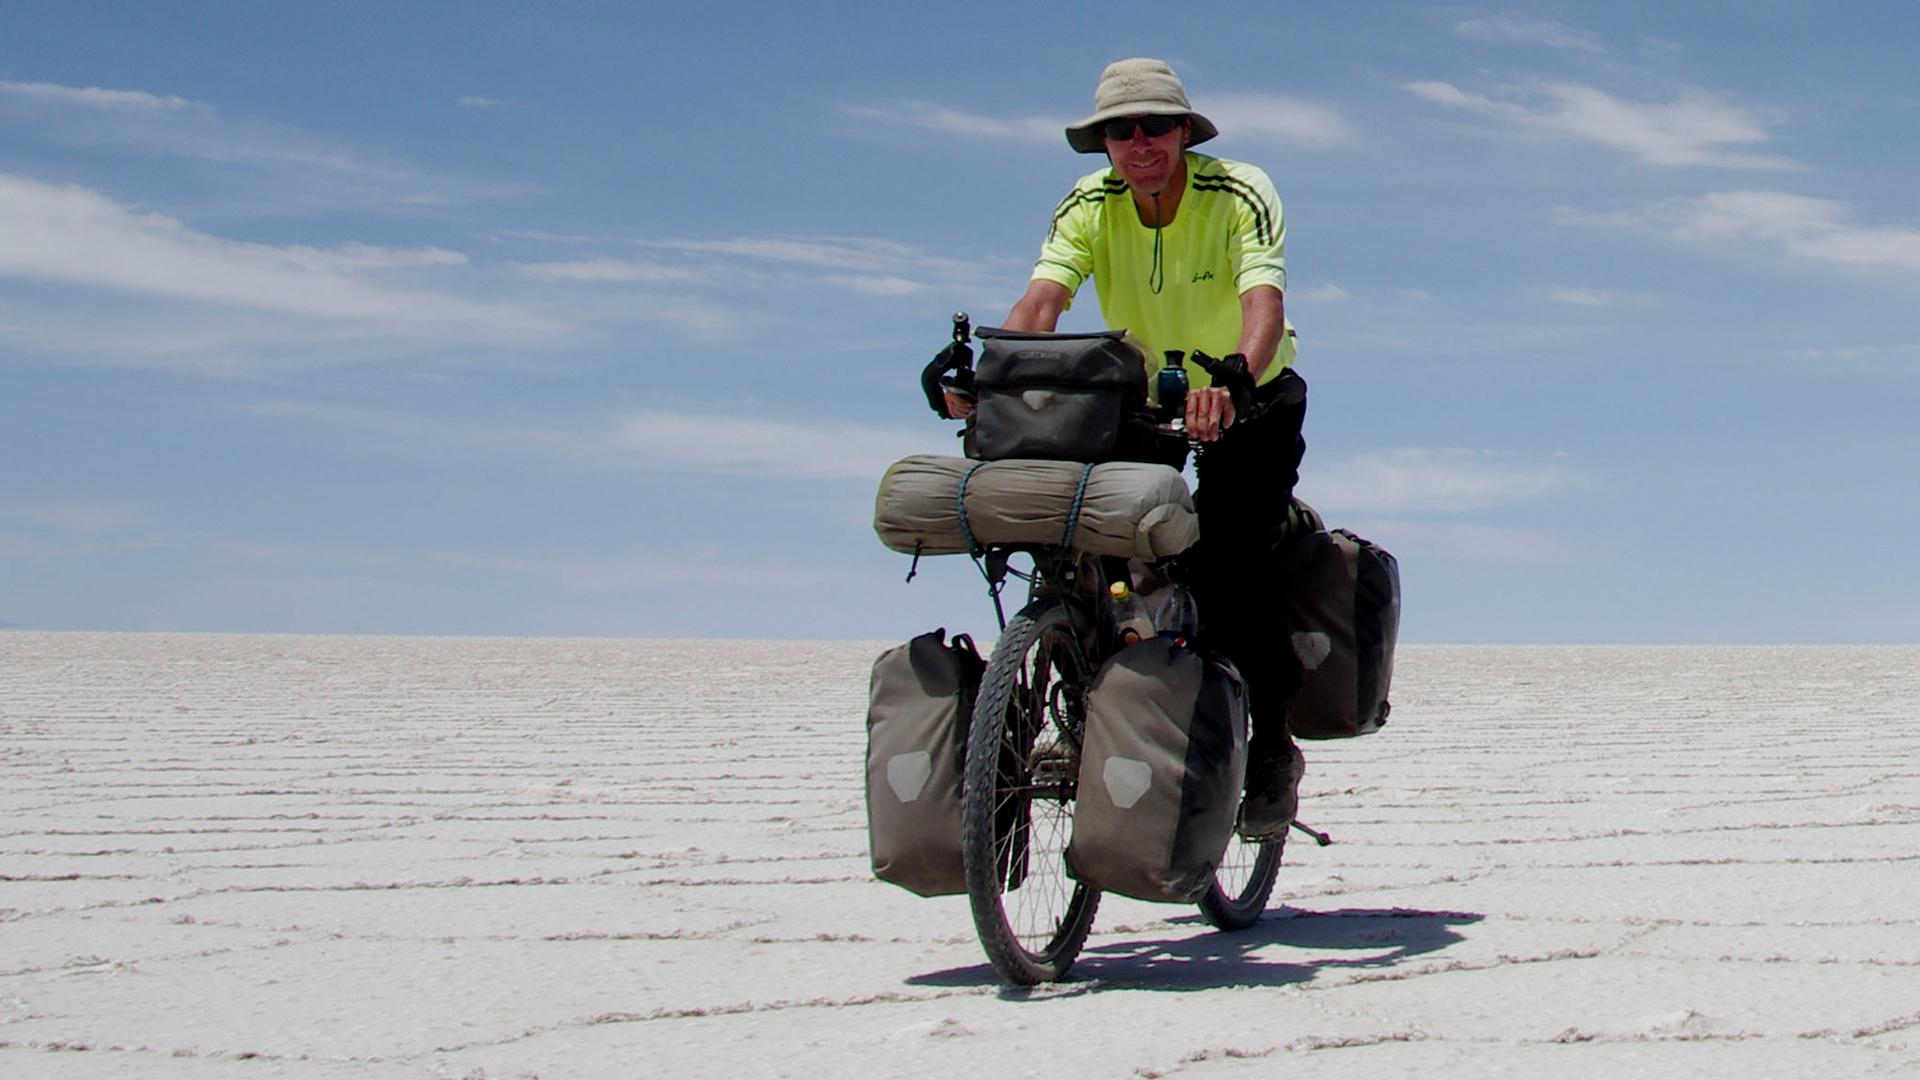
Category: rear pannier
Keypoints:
(1161, 766)
(931, 505)
(919, 702)
(1344, 606)
(1061, 397)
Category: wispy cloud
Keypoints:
(546, 236)
(1697, 128)
(305, 167)
(1823, 230)
(1554, 35)
(749, 274)
(1328, 293)
(76, 518)
(1414, 480)
(1256, 116)
(825, 252)
(868, 265)
(1296, 121)
(706, 569)
(1577, 296)
(69, 235)
(757, 446)
(1415, 540)
(651, 440)
(877, 284)
(476, 102)
(606, 270)
(1903, 352)
(941, 120)
(93, 97)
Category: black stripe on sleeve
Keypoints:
(1078, 279)
(1079, 196)
(1245, 192)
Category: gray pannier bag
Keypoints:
(933, 505)
(1161, 767)
(1344, 606)
(919, 702)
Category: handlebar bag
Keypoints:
(919, 702)
(1060, 397)
(1161, 765)
(1343, 604)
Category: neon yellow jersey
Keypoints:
(1177, 287)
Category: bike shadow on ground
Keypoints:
(1202, 958)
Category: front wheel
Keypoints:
(1023, 763)
(1243, 883)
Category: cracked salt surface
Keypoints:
(319, 857)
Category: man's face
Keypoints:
(1145, 161)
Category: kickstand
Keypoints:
(1318, 837)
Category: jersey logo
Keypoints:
(1204, 275)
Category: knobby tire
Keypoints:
(1031, 915)
(1243, 883)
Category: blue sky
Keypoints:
(594, 319)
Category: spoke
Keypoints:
(1032, 915)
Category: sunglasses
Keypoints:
(1153, 126)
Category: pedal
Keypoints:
(1052, 765)
(1318, 837)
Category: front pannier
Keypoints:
(1161, 766)
(919, 702)
(1344, 605)
(1059, 397)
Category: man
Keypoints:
(1187, 252)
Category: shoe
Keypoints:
(1273, 791)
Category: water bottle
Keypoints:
(1170, 389)
(1178, 616)
(1130, 612)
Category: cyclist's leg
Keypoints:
(1245, 501)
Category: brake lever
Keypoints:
(1230, 373)
(951, 368)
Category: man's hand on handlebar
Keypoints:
(948, 380)
(1210, 412)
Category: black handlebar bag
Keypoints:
(1060, 397)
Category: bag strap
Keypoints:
(960, 507)
(1073, 515)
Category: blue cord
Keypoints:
(1073, 516)
(960, 506)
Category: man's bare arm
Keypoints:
(1263, 319)
(1040, 308)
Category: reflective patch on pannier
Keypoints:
(1161, 766)
(919, 702)
(1127, 780)
(1312, 648)
(907, 774)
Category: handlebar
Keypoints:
(951, 369)
(951, 372)
(1229, 373)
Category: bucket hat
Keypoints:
(1136, 87)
